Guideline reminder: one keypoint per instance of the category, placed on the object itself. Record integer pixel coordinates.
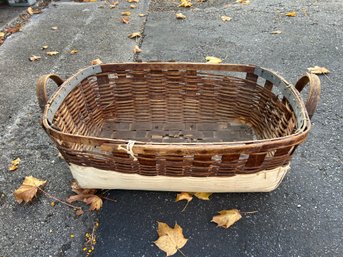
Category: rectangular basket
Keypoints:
(178, 126)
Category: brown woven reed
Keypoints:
(178, 119)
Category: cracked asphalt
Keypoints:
(303, 217)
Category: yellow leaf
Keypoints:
(318, 70)
(141, 14)
(203, 196)
(34, 58)
(74, 51)
(126, 13)
(45, 47)
(212, 59)
(30, 10)
(170, 239)
(96, 62)
(135, 35)
(136, 49)
(54, 28)
(125, 19)
(226, 18)
(291, 14)
(15, 163)
(52, 53)
(276, 32)
(72, 235)
(133, 1)
(114, 4)
(180, 16)
(52, 204)
(2, 34)
(133, 6)
(94, 201)
(227, 218)
(28, 189)
(243, 1)
(185, 3)
(184, 196)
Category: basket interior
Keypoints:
(175, 106)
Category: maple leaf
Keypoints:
(227, 218)
(212, 59)
(226, 18)
(96, 62)
(14, 164)
(318, 70)
(52, 53)
(203, 196)
(34, 58)
(180, 16)
(170, 239)
(276, 32)
(126, 13)
(185, 3)
(291, 14)
(135, 35)
(28, 189)
(125, 19)
(136, 49)
(94, 202)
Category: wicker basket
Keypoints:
(178, 126)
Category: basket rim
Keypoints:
(142, 146)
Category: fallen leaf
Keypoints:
(114, 4)
(45, 47)
(226, 18)
(77, 189)
(52, 204)
(94, 202)
(170, 239)
(28, 190)
(125, 19)
(52, 53)
(291, 14)
(14, 29)
(126, 13)
(141, 14)
(136, 49)
(203, 196)
(54, 28)
(32, 11)
(2, 34)
(318, 70)
(96, 62)
(243, 1)
(135, 35)
(14, 164)
(185, 3)
(184, 196)
(212, 59)
(79, 212)
(227, 218)
(133, 6)
(133, 1)
(34, 58)
(180, 16)
(276, 32)
(74, 51)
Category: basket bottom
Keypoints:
(263, 181)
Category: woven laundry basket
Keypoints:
(178, 126)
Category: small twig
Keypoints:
(59, 200)
(182, 252)
(184, 208)
(109, 199)
(248, 212)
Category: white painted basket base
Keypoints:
(263, 181)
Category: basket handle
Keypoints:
(314, 91)
(41, 88)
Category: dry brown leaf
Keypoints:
(28, 190)
(170, 239)
(94, 202)
(45, 47)
(226, 18)
(135, 35)
(74, 51)
(291, 14)
(52, 53)
(54, 28)
(212, 59)
(136, 50)
(180, 16)
(185, 3)
(34, 58)
(133, 6)
(126, 13)
(184, 196)
(96, 62)
(79, 212)
(243, 1)
(125, 19)
(14, 163)
(203, 196)
(276, 32)
(227, 218)
(141, 14)
(318, 70)
(14, 29)
(32, 11)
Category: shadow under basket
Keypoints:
(178, 126)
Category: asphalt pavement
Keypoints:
(303, 217)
